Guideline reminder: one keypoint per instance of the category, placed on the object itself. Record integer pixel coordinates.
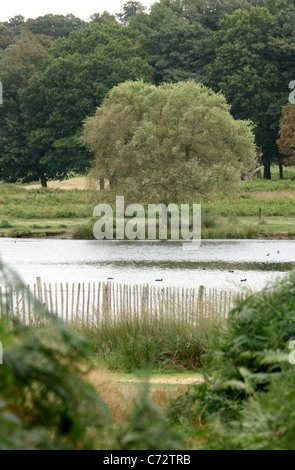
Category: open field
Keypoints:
(65, 209)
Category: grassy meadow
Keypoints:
(61, 211)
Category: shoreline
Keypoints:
(68, 235)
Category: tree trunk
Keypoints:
(281, 171)
(43, 181)
(101, 183)
(113, 181)
(267, 173)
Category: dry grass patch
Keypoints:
(273, 194)
(119, 394)
(80, 182)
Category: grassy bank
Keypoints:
(68, 212)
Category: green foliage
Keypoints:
(45, 400)
(84, 232)
(251, 70)
(261, 323)
(45, 28)
(247, 401)
(168, 143)
(5, 224)
(70, 83)
(128, 10)
(209, 220)
(243, 48)
(54, 26)
(179, 36)
(11, 29)
(266, 423)
(17, 64)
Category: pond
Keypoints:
(223, 264)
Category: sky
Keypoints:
(83, 9)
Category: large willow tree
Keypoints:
(175, 142)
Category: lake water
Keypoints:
(257, 261)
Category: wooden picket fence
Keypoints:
(97, 303)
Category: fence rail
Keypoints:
(96, 303)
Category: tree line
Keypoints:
(57, 70)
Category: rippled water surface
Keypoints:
(218, 263)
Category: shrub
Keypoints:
(248, 398)
(5, 224)
(83, 232)
(209, 221)
(46, 400)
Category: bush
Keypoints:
(248, 398)
(83, 232)
(46, 400)
(209, 221)
(5, 224)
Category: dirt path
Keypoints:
(166, 380)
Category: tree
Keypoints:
(54, 26)
(100, 17)
(72, 81)
(17, 64)
(180, 50)
(128, 10)
(179, 35)
(170, 143)
(10, 29)
(176, 44)
(282, 43)
(246, 70)
(46, 28)
(286, 141)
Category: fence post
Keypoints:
(200, 301)
(39, 288)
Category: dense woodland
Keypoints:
(56, 70)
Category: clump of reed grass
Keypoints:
(137, 344)
(226, 231)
